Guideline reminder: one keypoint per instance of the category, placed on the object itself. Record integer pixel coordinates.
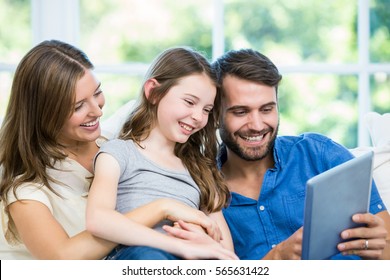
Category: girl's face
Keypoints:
(185, 108)
(83, 125)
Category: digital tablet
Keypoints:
(332, 197)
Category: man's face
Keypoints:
(250, 119)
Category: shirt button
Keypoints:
(379, 206)
(273, 245)
(261, 208)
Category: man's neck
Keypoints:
(246, 177)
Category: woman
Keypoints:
(49, 136)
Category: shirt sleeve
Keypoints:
(122, 151)
(29, 191)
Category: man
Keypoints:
(267, 174)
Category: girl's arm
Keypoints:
(105, 222)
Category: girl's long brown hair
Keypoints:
(199, 153)
(42, 99)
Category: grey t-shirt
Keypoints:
(142, 181)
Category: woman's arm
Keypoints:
(226, 240)
(45, 238)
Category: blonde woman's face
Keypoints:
(84, 125)
(185, 108)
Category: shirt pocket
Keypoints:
(293, 206)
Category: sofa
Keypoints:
(379, 129)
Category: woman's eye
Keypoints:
(98, 93)
(78, 107)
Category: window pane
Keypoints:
(15, 41)
(380, 30)
(15, 31)
(380, 88)
(118, 89)
(5, 89)
(320, 103)
(115, 31)
(294, 30)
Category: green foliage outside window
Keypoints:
(290, 32)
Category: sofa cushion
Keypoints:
(379, 128)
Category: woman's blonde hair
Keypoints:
(41, 101)
(199, 153)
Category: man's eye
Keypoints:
(239, 113)
(267, 109)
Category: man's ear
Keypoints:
(148, 86)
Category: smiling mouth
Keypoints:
(253, 138)
(186, 127)
(89, 124)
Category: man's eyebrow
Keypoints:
(244, 107)
(272, 103)
(237, 107)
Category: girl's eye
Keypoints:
(189, 102)
(208, 110)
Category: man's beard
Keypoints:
(249, 154)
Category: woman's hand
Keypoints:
(200, 245)
(177, 211)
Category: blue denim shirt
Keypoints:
(258, 225)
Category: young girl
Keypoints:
(167, 148)
(48, 139)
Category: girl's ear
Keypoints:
(148, 86)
